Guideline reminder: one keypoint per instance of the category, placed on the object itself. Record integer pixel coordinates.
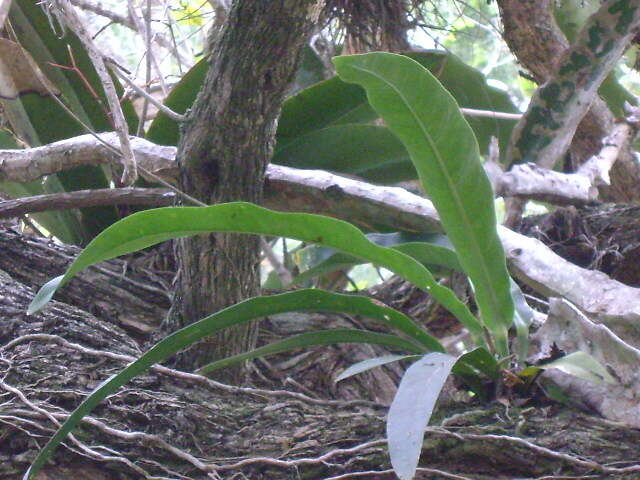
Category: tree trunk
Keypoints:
(375, 25)
(223, 153)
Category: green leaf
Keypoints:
(470, 89)
(164, 130)
(334, 102)
(370, 363)
(302, 300)
(314, 339)
(150, 227)
(424, 116)
(310, 71)
(411, 410)
(481, 361)
(522, 320)
(361, 150)
(581, 365)
(431, 252)
(329, 103)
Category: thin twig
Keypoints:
(115, 68)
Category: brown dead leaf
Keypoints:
(19, 73)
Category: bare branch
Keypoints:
(115, 68)
(152, 197)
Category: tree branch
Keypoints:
(368, 206)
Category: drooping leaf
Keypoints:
(150, 227)
(470, 89)
(411, 410)
(301, 300)
(370, 363)
(315, 339)
(431, 250)
(420, 112)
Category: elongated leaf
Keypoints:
(150, 227)
(470, 89)
(431, 252)
(335, 102)
(302, 300)
(445, 153)
(370, 363)
(411, 410)
(315, 339)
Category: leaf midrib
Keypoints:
(449, 180)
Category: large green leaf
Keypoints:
(150, 227)
(334, 102)
(444, 151)
(362, 150)
(301, 300)
(470, 89)
(411, 410)
(315, 339)
(328, 103)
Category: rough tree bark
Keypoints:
(224, 150)
(173, 424)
